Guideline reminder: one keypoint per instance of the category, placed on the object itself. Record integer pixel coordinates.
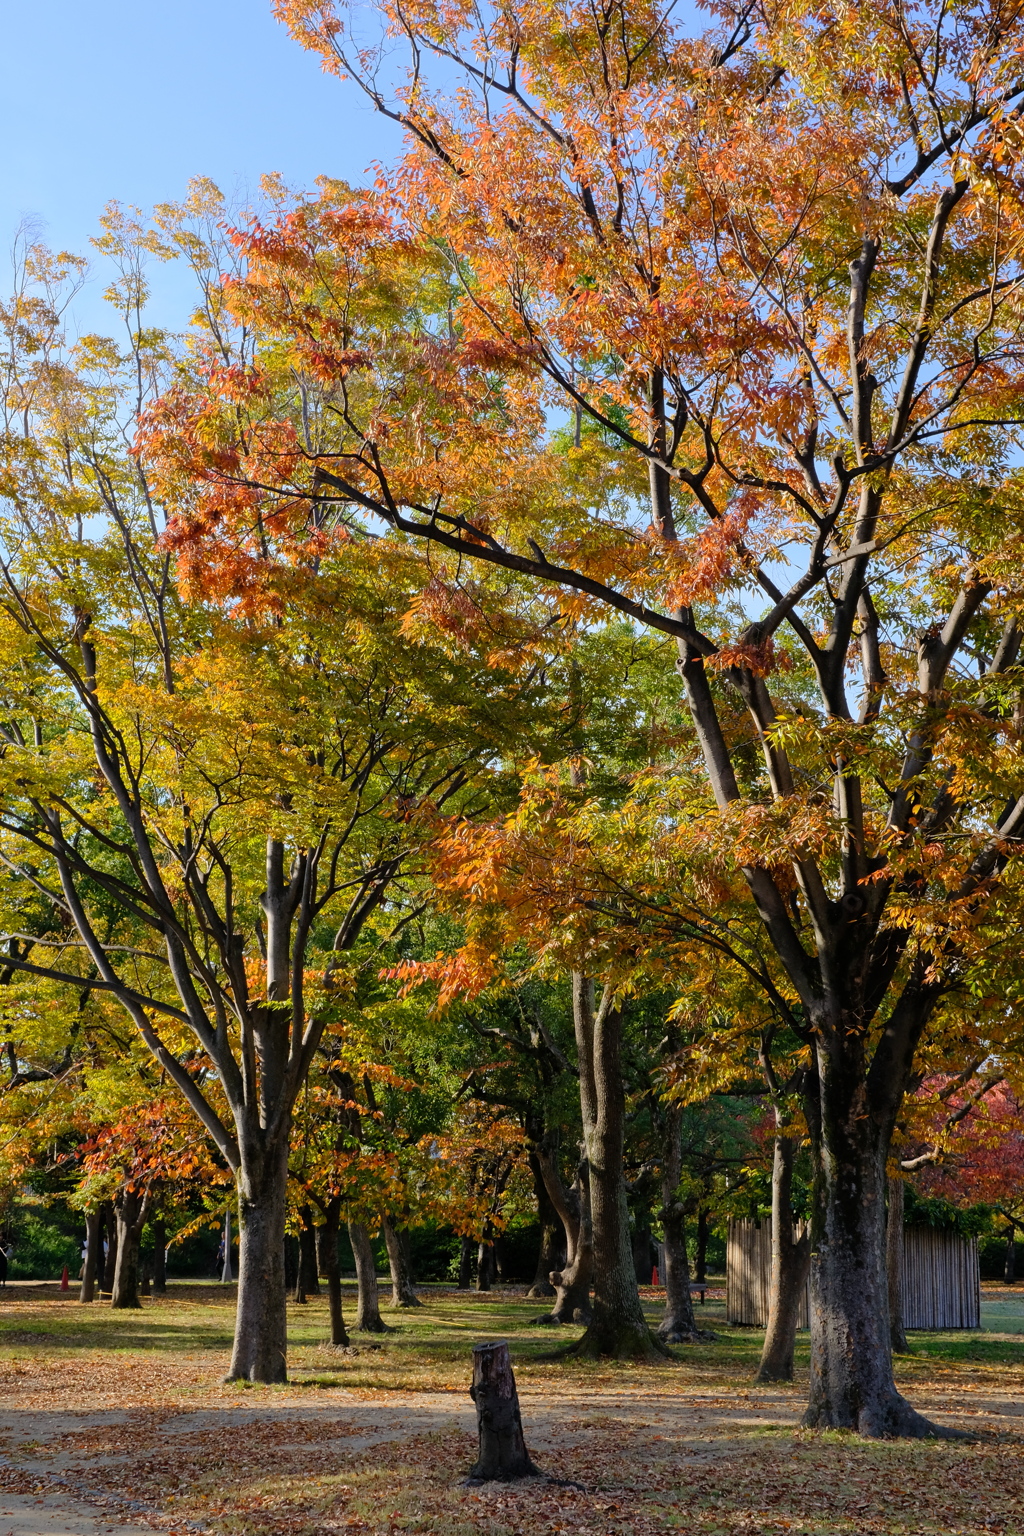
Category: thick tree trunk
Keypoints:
(484, 1266)
(130, 1215)
(548, 1256)
(852, 1383)
(403, 1293)
(92, 1249)
(894, 1268)
(159, 1256)
(790, 1259)
(678, 1326)
(368, 1318)
(618, 1326)
(110, 1259)
(502, 1455)
(261, 1327)
(327, 1258)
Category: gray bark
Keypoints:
(327, 1259)
(618, 1326)
(130, 1215)
(110, 1259)
(403, 1293)
(159, 1256)
(92, 1246)
(368, 1318)
(261, 1335)
(894, 1267)
(791, 1257)
(679, 1325)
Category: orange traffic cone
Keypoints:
(64, 1280)
(654, 1276)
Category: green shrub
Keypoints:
(41, 1250)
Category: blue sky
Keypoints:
(126, 99)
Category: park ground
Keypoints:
(120, 1422)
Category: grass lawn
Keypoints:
(125, 1414)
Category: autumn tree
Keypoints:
(210, 799)
(772, 275)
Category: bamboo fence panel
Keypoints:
(748, 1267)
(940, 1286)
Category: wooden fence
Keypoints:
(940, 1284)
(748, 1267)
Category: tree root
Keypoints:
(895, 1420)
(617, 1344)
(688, 1336)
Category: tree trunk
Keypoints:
(790, 1259)
(227, 1273)
(130, 1212)
(502, 1455)
(402, 1292)
(678, 1326)
(368, 1318)
(306, 1282)
(465, 1263)
(327, 1258)
(261, 1328)
(92, 1249)
(573, 1281)
(618, 1326)
(894, 1268)
(643, 1263)
(701, 1256)
(159, 1256)
(484, 1266)
(110, 1259)
(548, 1255)
(852, 1383)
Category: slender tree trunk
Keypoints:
(227, 1273)
(618, 1327)
(110, 1261)
(159, 1256)
(465, 1263)
(130, 1213)
(402, 1291)
(92, 1248)
(305, 1280)
(791, 1257)
(327, 1258)
(852, 1383)
(368, 1318)
(573, 1281)
(894, 1267)
(261, 1329)
(550, 1227)
(643, 1264)
(678, 1326)
(701, 1256)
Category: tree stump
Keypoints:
(503, 1455)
